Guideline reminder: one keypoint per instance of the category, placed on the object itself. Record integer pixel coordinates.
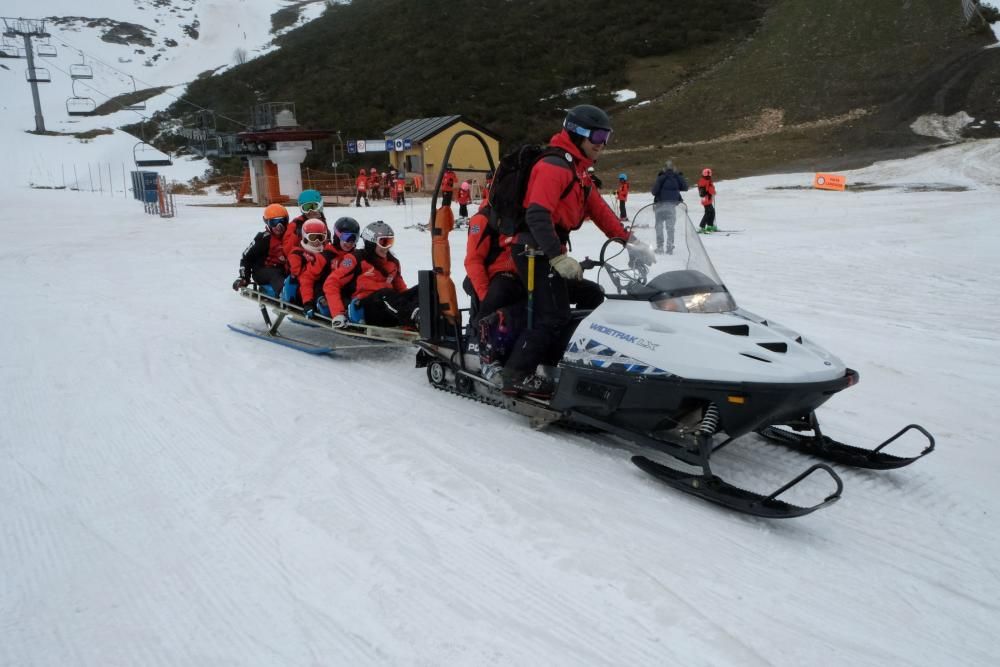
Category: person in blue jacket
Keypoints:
(666, 195)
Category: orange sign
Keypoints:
(829, 182)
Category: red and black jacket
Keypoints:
(622, 190)
(487, 253)
(448, 181)
(264, 251)
(560, 196)
(341, 279)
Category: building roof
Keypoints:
(418, 129)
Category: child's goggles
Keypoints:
(347, 237)
(316, 238)
(385, 241)
(310, 206)
(274, 222)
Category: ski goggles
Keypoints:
(310, 206)
(347, 237)
(598, 135)
(385, 241)
(274, 222)
(316, 238)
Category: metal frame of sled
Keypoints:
(362, 336)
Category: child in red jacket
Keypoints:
(706, 188)
(622, 195)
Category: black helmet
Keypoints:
(346, 225)
(586, 117)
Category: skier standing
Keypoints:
(622, 195)
(666, 192)
(706, 188)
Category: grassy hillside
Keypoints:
(364, 67)
(745, 86)
(823, 85)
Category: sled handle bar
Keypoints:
(818, 466)
(930, 439)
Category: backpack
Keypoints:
(510, 183)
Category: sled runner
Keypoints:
(323, 338)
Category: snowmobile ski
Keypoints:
(716, 490)
(825, 447)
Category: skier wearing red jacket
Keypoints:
(491, 276)
(374, 183)
(706, 188)
(622, 195)
(464, 198)
(559, 197)
(448, 185)
(361, 184)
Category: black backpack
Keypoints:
(510, 182)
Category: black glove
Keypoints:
(309, 307)
(238, 283)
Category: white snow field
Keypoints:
(172, 493)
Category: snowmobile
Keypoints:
(669, 363)
(320, 337)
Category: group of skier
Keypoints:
(304, 262)
(384, 185)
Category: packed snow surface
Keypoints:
(174, 493)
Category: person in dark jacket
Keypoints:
(560, 195)
(263, 261)
(666, 192)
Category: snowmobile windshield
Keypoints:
(682, 279)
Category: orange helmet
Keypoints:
(276, 218)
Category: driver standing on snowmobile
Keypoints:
(559, 196)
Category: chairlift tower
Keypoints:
(29, 29)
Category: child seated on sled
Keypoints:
(263, 261)
(381, 293)
(316, 258)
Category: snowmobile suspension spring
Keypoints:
(710, 422)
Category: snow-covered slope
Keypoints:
(173, 493)
(128, 44)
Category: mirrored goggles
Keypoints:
(385, 241)
(316, 238)
(347, 237)
(598, 135)
(310, 206)
(274, 222)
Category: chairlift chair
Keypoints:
(148, 156)
(11, 51)
(81, 106)
(47, 51)
(37, 75)
(79, 71)
(135, 106)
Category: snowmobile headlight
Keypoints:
(700, 302)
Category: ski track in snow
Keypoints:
(172, 493)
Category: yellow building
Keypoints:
(421, 143)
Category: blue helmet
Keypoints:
(622, 176)
(311, 197)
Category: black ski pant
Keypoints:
(446, 198)
(389, 308)
(270, 275)
(361, 195)
(505, 289)
(463, 210)
(546, 339)
(400, 198)
(708, 219)
(621, 209)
